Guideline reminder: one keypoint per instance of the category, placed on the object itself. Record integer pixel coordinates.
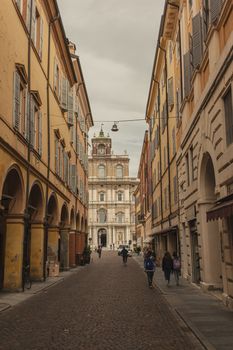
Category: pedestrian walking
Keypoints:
(167, 266)
(149, 265)
(99, 251)
(124, 254)
(176, 267)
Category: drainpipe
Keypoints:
(168, 140)
(26, 254)
(48, 146)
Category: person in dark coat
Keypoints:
(149, 266)
(167, 266)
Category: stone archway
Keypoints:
(35, 234)
(211, 241)
(102, 237)
(12, 230)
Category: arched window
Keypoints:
(101, 150)
(120, 217)
(102, 216)
(101, 196)
(119, 196)
(101, 171)
(119, 171)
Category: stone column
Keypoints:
(53, 239)
(72, 248)
(14, 253)
(37, 251)
(64, 252)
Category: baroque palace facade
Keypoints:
(44, 120)
(190, 117)
(111, 199)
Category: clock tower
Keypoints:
(101, 145)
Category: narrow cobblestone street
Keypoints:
(105, 305)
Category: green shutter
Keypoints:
(197, 41)
(16, 104)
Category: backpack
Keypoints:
(149, 264)
(176, 264)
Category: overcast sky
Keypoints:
(116, 42)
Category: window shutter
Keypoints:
(187, 74)
(27, 114)
(28, 14)
(170, 92)
(70, 107)
(57, 156)
(197, 41)
(174, 140)
(228, 109)
(55, 76)
(205, 18)
(32, 122)
(33, 29)
(175, 189)
(18, 3)
(16, 109)
(41, 37)
(73, 178)
(40, 132)
(215, 9)
(64, 88)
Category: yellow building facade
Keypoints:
(193, 65)
(44, 120)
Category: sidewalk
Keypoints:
(203, 313)
(8, 299)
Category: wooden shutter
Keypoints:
(174, 140)
(33, 29)
(205, 18)
(175, 189)
(228, 109)
(215, 9)
(170, 92)
(40, 132)
(56, 156)
(64, 95)
(70, 107)
(187, 73)
(55, 76)
(27, 116)
(28, 16)
(197, 41)
(18, 3)
(32, 122)
(16, 104)
(73, 178)
(41, 38)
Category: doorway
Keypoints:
(196, 276)
(102, 235)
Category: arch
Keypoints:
(53, 210)
(64, 218)
(72, 219)
(36, 201)
(211, 241)
(102, 237)
(13, 191)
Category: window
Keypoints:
(101, 171)
(119, 171)
(173, 141)
(120, 217)
(37, 30)
(56, 78)
(101, 196)
(165, 198)
(187, 169)
(20, 104)
(102, 215)
(35, 123)
(120, 196)
(227, 99)
(175, 188)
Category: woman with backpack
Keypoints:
(176, 267)
(167, 266)
(149, 265)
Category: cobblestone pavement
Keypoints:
(105, 305)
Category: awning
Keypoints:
(170, 229)
(220, 210)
